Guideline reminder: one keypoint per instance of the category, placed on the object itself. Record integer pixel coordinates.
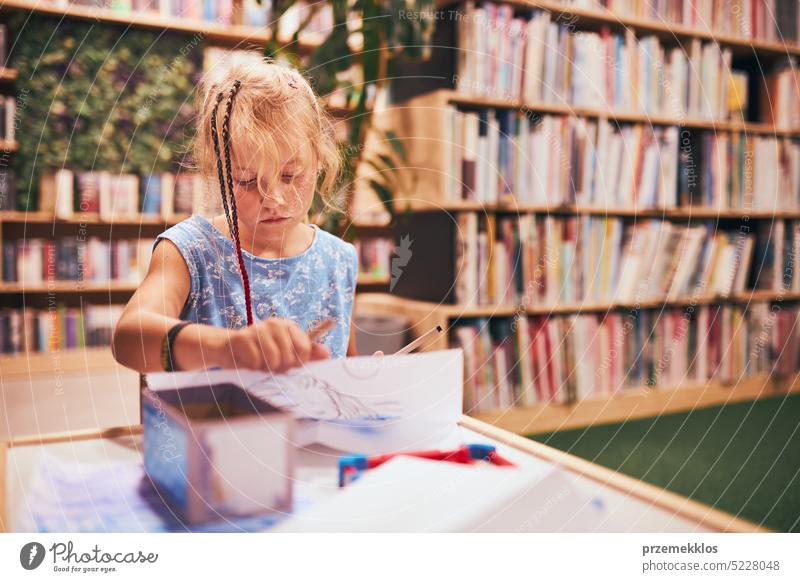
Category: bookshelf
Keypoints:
(423, 123)
(589, 18)
(223, 34)
(46, 224)
(432, 215)
(7, 75)
(614, 116)
(38, 217)
(628, 403)
(63, 361)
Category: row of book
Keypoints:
(8, 115)
(315, 19)
(119, 196)
(532, 360)
(780, 96)
(505, 155)
(499, 155)
(37, 261)
(544, 60)
(739, 171)
(61, 328)
(534, 260)
(221, 11)
(770, 20)
(374, 256)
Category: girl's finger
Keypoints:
(301, 344)
(283, 339)
(320, 352)
(270, 352)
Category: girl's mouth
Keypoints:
(275, 219)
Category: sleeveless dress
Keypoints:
(307, 288)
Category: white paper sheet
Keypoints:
(115, 497)
(408, 494)
(364, 404)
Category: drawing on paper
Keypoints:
(306, 396)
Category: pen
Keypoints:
(419, 341)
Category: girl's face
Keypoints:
(284, 203)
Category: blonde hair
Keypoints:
(275, 106)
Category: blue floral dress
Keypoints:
(307, 288)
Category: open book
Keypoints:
(365, 404)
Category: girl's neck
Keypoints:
(292, 241)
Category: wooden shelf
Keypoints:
(423, 205)
(68, 287)
(632, 403)
(372, 280)
(217, 33)
(620, 117)
(592, 17)
(7, 75)
(86, 218)
(627, 403)
(449, 311)
(64, 361)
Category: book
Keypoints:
(780, 96)
(374, 256)
(56, 193)
(35, 330)
(587, 68)
(8, 189)
(554, 260)
(592, 355)
(35, 261)
(505, 156)
(769, 20)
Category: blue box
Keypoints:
(215, 452)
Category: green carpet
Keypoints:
(741, 458)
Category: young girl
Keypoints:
(250, 288)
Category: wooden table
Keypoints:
(632, 505)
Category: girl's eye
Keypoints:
(287, 178)
(247, 183)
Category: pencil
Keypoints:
(419, 341)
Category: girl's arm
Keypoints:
(271, 345)
(154, 309)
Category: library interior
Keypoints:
(583, 215)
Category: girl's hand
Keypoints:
(273, 345)
(378, 353)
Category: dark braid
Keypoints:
(215, 139)
(230, 215)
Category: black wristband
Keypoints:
(167, 360)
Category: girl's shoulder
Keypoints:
(193, 226)
(333, 241)
(338, 249)
(192, 236)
